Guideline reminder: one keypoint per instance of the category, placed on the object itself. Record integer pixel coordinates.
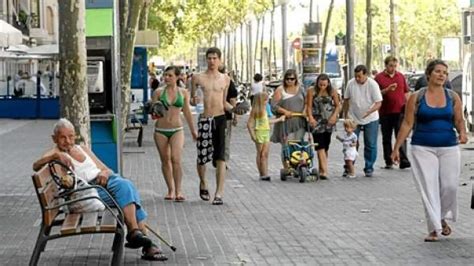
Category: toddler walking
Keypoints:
(259, 128)
(349, 143)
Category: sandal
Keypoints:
(204, 194)
(432, 237)
(217, 201)
(169, 198)
(136, 239)
(153, 253)
(180, 199)
(446, 230)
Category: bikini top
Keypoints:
(179, 101)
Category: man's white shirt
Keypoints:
(362, 97)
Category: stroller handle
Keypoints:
(297, 144)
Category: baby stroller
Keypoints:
(299, 156)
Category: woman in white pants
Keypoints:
(433, 113)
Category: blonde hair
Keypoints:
(259, 104)
(350, 123)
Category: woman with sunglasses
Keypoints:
(289, 100)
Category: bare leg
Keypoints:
(176, 143)
(201, 169)
(220, 177)
(165, 155)
(350, 167)
(323, 162)
(129, 213)
(258, 157)
(264, 159)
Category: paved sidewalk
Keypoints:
(365, 221)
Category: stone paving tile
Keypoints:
(366, 221)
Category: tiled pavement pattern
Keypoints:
(365, 221)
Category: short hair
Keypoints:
(214, 50)
(360, 68)
(258, 77)
(175, 70)
(350, 123)
(389, 59)
(431, 66)
(62, 123)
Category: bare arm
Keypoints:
(251, 125)
(373, 108)
(188, 115)
(345, 107)
(49, 156)
(309, 106)
(337, 108)
(459, 119)
(194, 83)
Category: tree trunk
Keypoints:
(261, 45)
(368, 59)
(325, 37)
(393, 31)
(274, 40)
(143, 22)
(73, 93)
(242, 51)
(129, 15)
(256, 46)
(269, 55)
(234, 51)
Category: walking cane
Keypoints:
(173, 248)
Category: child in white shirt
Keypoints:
(349, 143)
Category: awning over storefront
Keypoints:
(9, 35)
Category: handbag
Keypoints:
(83, 197)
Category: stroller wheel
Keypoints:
(303, 174)
(283, 174)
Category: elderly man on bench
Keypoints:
(89, 167)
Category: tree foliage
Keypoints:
(421, 27)
(185, 24)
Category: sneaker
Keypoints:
(265, 178)
(345, 174)
(388, 166)
(351, 176)
(369, 174)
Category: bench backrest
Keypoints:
(47, 191)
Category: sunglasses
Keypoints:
(290, 79)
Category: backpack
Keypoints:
(420, 93)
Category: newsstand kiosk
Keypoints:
(103, 81)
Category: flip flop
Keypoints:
(432, 237)
(169, 198)
(217, 201)
(154, 256)
(204, 194)
(446, 230)
(180, 199)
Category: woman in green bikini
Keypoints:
(169, 134)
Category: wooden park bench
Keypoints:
(56, 223)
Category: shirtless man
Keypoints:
(212, 123)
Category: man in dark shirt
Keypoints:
(230, 116)
(394, 89)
